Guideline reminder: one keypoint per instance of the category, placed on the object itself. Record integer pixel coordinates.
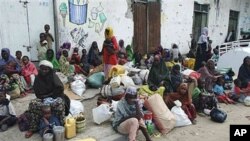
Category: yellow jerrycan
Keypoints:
(70, 127)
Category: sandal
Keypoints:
(28, 134)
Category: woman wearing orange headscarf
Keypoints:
(110, 48)
(185, 98)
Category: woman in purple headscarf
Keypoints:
(10, 67)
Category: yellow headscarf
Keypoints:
(108, 33)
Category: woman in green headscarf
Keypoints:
(159, 75)
(50, 56)
(129, 52)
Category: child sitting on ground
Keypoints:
(220, 93)
(239, 93)
(48, 121)
(7, 112)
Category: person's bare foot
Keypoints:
(28, 134)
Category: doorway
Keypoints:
(200, 19)
(232, 26)
(147, 26)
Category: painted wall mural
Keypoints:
(79, 37)
(97, 18)
(78, 11)
(63, 9)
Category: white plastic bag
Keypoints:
(127, 81)
(76, 107)
(181, 117)
(78, 87)
(114, 105)
(144, 75)
(115, 81)
(62, 77)
(247, 101)
(101, 113)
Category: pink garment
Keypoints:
(28, 70)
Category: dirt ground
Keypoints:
(205, 129)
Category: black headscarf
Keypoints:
(244, 71)
(158, 73)
(48, 85)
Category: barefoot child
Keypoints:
(220, 93)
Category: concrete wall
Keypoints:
(177, 20)
(100, 14)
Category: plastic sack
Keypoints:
(137, 80)
(62, 77)
(127, 81)
(76, 107)
(144, 75)
(247, 101)
(162, 116)
(106, 91)
(80, 77)
(115, 81)
(181, 117)
(78, 87)
(218, 115)
(101, 113)
(96, 80)
(114, 105)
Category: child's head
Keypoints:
(201, 83)
(75, 50)
(65, 53)
(46, 28)
(18, 54)
(25, 60)
(84, 51)
(42, 37)
(176, 69)
(12, 64)
(46, 111)
(216, 51)
(121, 43)
(174, 46)
(220, 81)
(237, 82)
(183, 89)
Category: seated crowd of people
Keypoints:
(198, 93)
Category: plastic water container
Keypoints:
(70, 128)
(59, 133)
(48, 137)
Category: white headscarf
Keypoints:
(46, 63)
(204, 35)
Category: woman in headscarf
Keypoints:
(65, 66)
(201, 49)
(176, 77)
(129, 52)
(10, 67)
(94, 58)
(185, 98)
(50, 56)
(129, 116)
(159, 75)
(29, 71)
(110, 49)
(49, 90)
(6, 61)
(244, 70)
(209, 74)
